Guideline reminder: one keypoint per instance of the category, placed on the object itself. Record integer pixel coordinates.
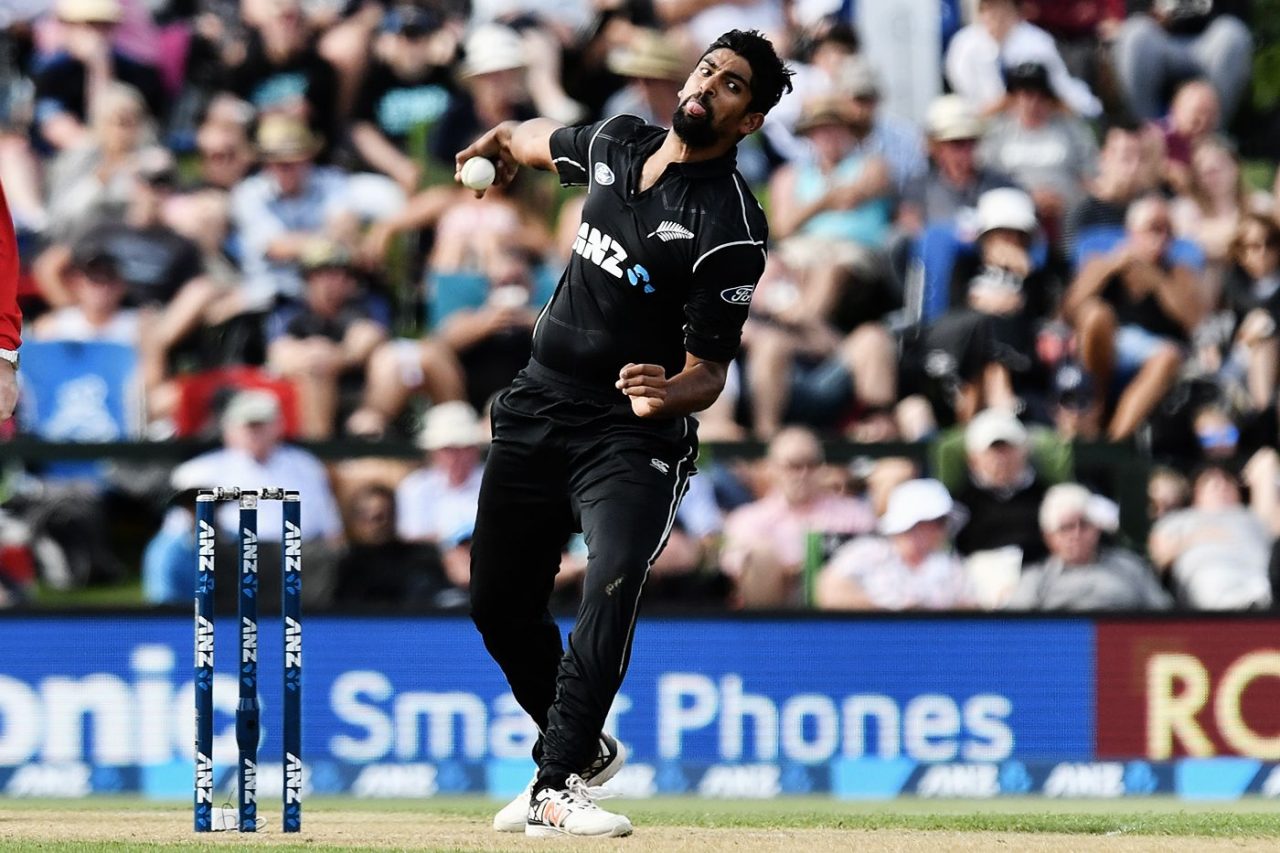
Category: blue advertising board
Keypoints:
(414, 706)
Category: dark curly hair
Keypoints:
(770, 78)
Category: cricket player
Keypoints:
(597, 432)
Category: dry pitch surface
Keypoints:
(812, 826)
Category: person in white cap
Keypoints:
(910, 566)
(1003, 490)
(437, 503)
(1080, 573)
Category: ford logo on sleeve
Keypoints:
(740, 295)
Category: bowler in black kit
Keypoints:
(597, 432)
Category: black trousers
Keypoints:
(561, 461)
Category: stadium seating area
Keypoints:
(1041, 273)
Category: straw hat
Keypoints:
(950, 117)
(649, 56)
(451, 424)
(491, 48)
(89, 11)
(822, 111)
(285, 138)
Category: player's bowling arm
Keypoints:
(513, 144)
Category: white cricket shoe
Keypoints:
(609, 760)
(572, 811)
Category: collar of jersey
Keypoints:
(722, 165)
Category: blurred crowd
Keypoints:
(238, 223)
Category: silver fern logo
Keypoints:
(669, 230)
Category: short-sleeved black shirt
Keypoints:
(653, 274)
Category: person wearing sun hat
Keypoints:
(282, 209)
(909, 566)
(1081, 573)
(949, 190)
(70, 84)
(654, 68)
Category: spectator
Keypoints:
(407, 87)
(1002, 288)
(655, 71)
(1133, 310)
(323, 343)
(253, 455)
(910, 566)
(764, 541)
(1048, 152)
(1079, 573)
(283, 208)
(1211, 211)
(437, 503)
(1217, 551)
(1076, 411)
(1124, 173)
(1167, 41)
(1000, 38)
(819, 345)
(495, 88)
(1246, 345)
(380, 568)
(1003, 490)
(222, 142)
(92, 182)
(70, 86)
(96, 311)
(1192, 118)
(1167, 491)
(898, 142)
(948, 192)
(281, 72)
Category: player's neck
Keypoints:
(674, 150)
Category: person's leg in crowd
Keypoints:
(1146, 59)
(773, 351)
(1157, 362)
(1095, 324)
(397, 370)
(1224, 52)
(1263, 372)
(312, 365)
(869, 355)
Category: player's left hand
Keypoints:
(646, 385)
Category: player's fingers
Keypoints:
(645, 391)
(630, 370)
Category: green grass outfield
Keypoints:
(1152, 817)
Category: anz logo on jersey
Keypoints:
(608, 254)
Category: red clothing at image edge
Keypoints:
(10, 316)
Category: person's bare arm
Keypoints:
(789, 216)
(1091, 280)
(654, 395)
(384, 156)
(1163, 547)
(1177, 294)
(835, 592)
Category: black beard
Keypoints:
(694, 132)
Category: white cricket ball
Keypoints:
(477, 173)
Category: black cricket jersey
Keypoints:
(653, 274)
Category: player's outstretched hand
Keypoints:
(496, 146)
(646, 385)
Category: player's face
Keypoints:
(715, 102)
